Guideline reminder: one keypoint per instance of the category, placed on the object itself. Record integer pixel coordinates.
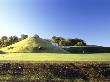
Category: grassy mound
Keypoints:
(33, 45)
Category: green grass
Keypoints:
(54, 57)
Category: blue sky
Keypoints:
(85, 19)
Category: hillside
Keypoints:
(33, 45)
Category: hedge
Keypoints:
(88, 49)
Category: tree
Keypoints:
(1, 43)
(36, 36)
(10, 40)
(74, 42)
(13, 39)
(4, 38)
(6, 43)
(23, 36)
(56, 39)
(62, 43)
(79, 44)
(67, 42)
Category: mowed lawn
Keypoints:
(55, 57)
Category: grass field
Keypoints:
(40, 67)
(54, 57)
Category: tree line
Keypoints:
(68, 42)
(6, 41)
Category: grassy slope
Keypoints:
(30, 44)
(54, 57)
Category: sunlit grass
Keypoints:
(55, 57)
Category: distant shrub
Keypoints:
(10, 47)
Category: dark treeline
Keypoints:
(68, 42)
(60, 41)
(6, 41)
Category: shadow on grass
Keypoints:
(1, 52)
